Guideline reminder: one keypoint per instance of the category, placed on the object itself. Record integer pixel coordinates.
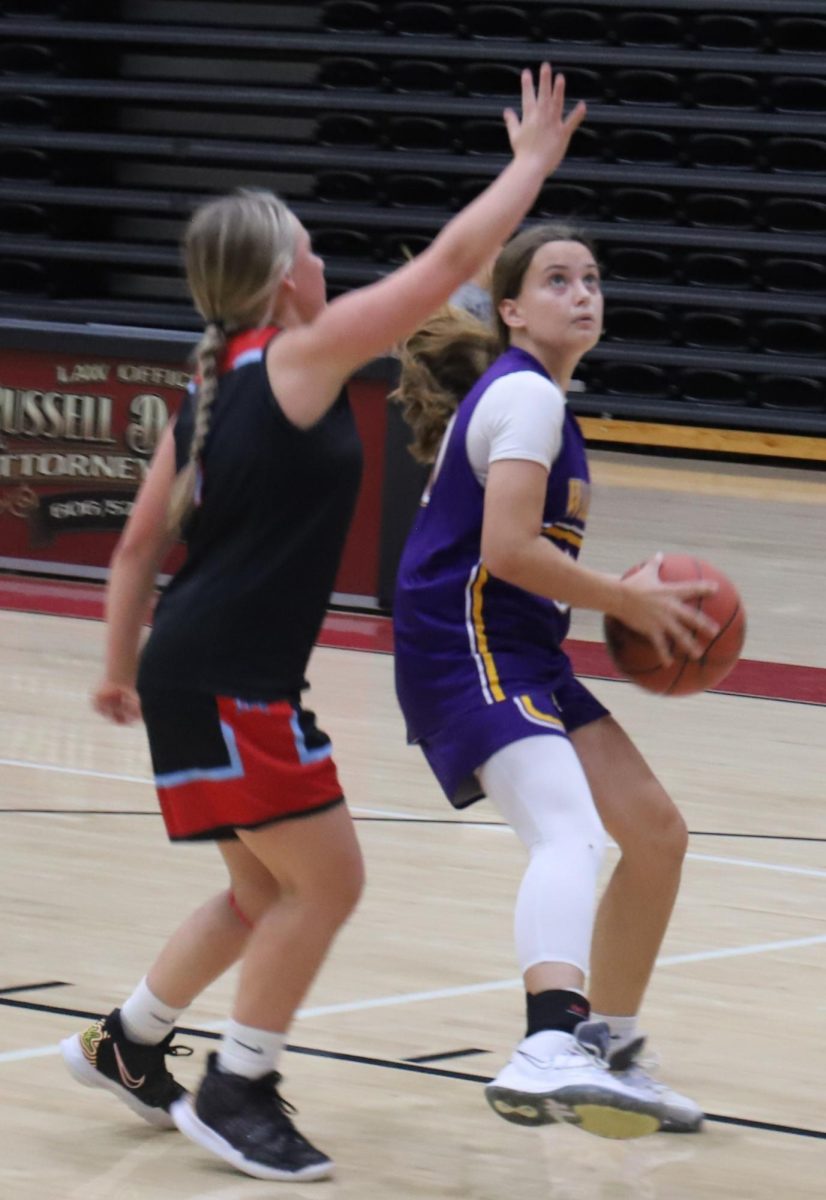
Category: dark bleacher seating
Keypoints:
(714, 387)
(701, 171)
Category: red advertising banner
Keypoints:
(76, 438)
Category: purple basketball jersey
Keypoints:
(464, 639)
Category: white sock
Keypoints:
(145, 1018)
(623, 1029)
(249, 1052)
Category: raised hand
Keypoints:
(543, 131)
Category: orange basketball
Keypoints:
(636, 658)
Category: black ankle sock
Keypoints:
(556, 1009)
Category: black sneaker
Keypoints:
(103, 1056)
(246, 1122)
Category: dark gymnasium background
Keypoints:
(701, 172)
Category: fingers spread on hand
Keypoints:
(690, 622)
(528, 97)
(546, 88)
(557, 94)
(690, 589)
(701, 623)
(511, 123)
(575, 117)
(662, 647)
(684, 638)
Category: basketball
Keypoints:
(636, 658)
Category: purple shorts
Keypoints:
(458, 749)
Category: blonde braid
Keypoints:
(237, 251)
(207, 356)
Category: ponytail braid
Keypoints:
(208, 354)
(237, 251)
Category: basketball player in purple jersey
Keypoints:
(482, 607)
(260, 473)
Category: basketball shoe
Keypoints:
(102, 1056)
(247, 1123)
(678, 1113)
(565, 1077)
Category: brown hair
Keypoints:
(237, 249)
(446, 355)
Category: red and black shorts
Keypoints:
(223, 764)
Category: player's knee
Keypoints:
(658, 837)
(335, 891)
(679, 835)
(350, 886)
(249, 901)
(666, 833)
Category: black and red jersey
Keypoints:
(274, 504)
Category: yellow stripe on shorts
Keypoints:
(532, 711)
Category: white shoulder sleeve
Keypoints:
(519, 416)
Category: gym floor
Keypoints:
(421, 999)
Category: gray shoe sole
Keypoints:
(590, 1109)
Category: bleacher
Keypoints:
(701, 171)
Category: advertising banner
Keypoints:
(76, 439)
(77, 434)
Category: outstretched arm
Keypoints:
(307, 366)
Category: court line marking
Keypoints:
(32, 987)
(18, 762)
(811, 872)
(445, 1054)
(400, 1064)
(496, 985)
(377, 815)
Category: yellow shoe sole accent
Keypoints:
(614, 1122)
(528, 1112)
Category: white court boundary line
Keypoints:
(413, 818)
(470, 989)
(19, 762)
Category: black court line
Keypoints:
(768, 837)
(428, 1058)
(399, 1064)
(772, 837)
(33, 987)
(128, 812)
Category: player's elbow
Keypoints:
(505, 559)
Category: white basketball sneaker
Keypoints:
(563, 1077)
(678, 1113)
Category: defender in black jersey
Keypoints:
(260, 476)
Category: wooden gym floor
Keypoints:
(420, 1000)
